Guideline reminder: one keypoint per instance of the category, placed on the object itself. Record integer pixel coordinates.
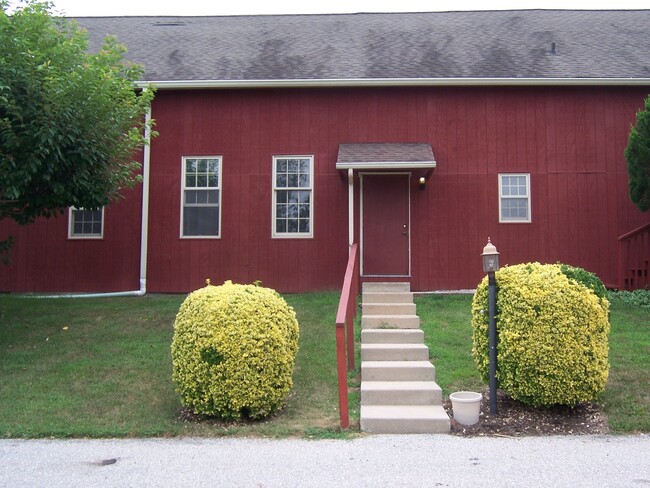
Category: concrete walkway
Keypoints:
(373, 461)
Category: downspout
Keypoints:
(144, 230)
(350, 207)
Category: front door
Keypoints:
(385, 225)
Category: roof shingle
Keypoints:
(439, 45)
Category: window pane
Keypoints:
(281, 211)
(213, 180)
(202, 197)
(293, 196)
(292, 225)
(213, 196)
(294, 166)
(303, 211)
(202, 166)
(281, 166)
(202, 181)
(281, 225)
(304, 166)
(514, 209)
(292, 210)
(190, 166)
(304, 196)
(282, 196)
(304, 225)
(201, 221)
(292, 182)
(213, 165)
(281, 181)
(304, 181)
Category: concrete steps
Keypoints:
(398, 389)
(404, 419)
(392, 336)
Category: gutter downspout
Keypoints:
(144, 230)
(350, 207)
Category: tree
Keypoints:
(70, 120)
(637, 154)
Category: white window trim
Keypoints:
(274, 189)
(527, 196)
(183, 188)
(72, 235)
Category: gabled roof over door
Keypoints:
(382, 156)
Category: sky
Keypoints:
(82, 8)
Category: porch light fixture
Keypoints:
(490, 258)
(490, 266)
(423, 182)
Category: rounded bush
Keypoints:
(233, 351)
(552, 335)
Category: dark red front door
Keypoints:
(385, 225)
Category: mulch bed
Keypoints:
(515, 419)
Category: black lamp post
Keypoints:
(490, 266)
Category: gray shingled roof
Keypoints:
(439, 45)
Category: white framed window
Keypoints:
(85, 224)
(201, 197)
(293, 196)
(514, 197)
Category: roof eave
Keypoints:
(386, 165)
(367, 82)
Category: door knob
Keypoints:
(404, 230)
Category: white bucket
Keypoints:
(466, 406)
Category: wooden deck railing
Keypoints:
(345, 331)
(635, 259)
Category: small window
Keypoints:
(201, 197)
(86, 224)
(292, 196)
(514, 198)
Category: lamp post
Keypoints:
(490, 266)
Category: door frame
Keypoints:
(408, 174)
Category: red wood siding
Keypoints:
(43, 259)
(570, 140)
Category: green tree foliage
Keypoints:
(70, 120)
(637, 155)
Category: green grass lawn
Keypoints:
(102, 367)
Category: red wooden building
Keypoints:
(283, 139)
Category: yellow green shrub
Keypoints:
(233, 351)
(552, 335)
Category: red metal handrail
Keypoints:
(634, 232)
(345, 331)
(633, 258)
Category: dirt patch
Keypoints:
(515, 419)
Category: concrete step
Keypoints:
(390, 322)
(394, 352)
(388, 308)
(401, 393)
(392, 336)
(397, 371)
(386, 297)
(404, 419)
(376, 286)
